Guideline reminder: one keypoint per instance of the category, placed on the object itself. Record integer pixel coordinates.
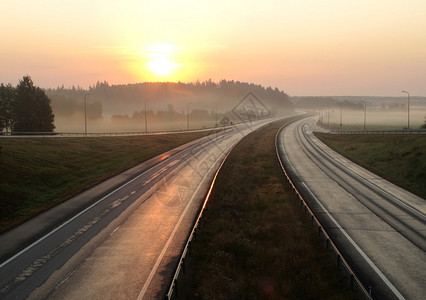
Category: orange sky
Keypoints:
(304, 47)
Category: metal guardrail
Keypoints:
(341, 261)
(419, 131)
(96, 134)
(181, 264)
(187, 249)
(354, 280)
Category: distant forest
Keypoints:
(129, 100)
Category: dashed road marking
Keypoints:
(115, 230)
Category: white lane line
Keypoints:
(38, 263)
(66, 278)
(155, 175)
(115, 230)
(355, 245)
(358, 176)
(367, 259)
(173, 163)
(81, 213)
(161, 171)
(163, 252)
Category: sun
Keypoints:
(161, 66)
(160, 60)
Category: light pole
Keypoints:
(341, 113)
(408, 108)
(85, 114)
(365, 113)
(187, 114)
(216, 115)
(328, 117)
(146, 121)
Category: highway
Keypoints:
(379, 227)
(126, 239)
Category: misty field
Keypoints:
(38, 173)
(374, 119)
(106, 125)
(400, 159)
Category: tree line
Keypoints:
(25, 108)
(125, 99)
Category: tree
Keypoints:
(7, 96)
(424, 125)
(33, 112)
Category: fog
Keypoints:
(375, 113)
(110, 123)
(374, 120)
(151, 107)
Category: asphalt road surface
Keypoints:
(126, 243)
(379, 227)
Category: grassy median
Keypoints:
(254, 241)
(400, 159)
(38, 173)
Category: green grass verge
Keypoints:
(254, 241)
(38, 173)
(400, 159)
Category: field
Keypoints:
(400, 159)
(372, 119)
(254, 241)
(38, 173)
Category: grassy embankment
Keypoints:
(400, 159)
(254, 240)
(38, 173)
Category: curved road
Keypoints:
(379, 227)
(126, 243)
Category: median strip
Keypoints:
(253, 240)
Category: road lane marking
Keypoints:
(155, 175)
(66, 278)
(118, 202)
(173, 163)
(161, 171)
(38, 263)
(363, 180)
(115, 230)
(84, 211)
(355, 245)
(166, 246)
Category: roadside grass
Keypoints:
(38, 173)
(254, 241)
(400, 159)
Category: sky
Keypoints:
(303, 47)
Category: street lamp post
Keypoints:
(146, 121)
(408, 108)
(85, 114)
(328, 117)
(187, 115)
(216, 115)
(365, 113)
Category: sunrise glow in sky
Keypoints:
(304, 47)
